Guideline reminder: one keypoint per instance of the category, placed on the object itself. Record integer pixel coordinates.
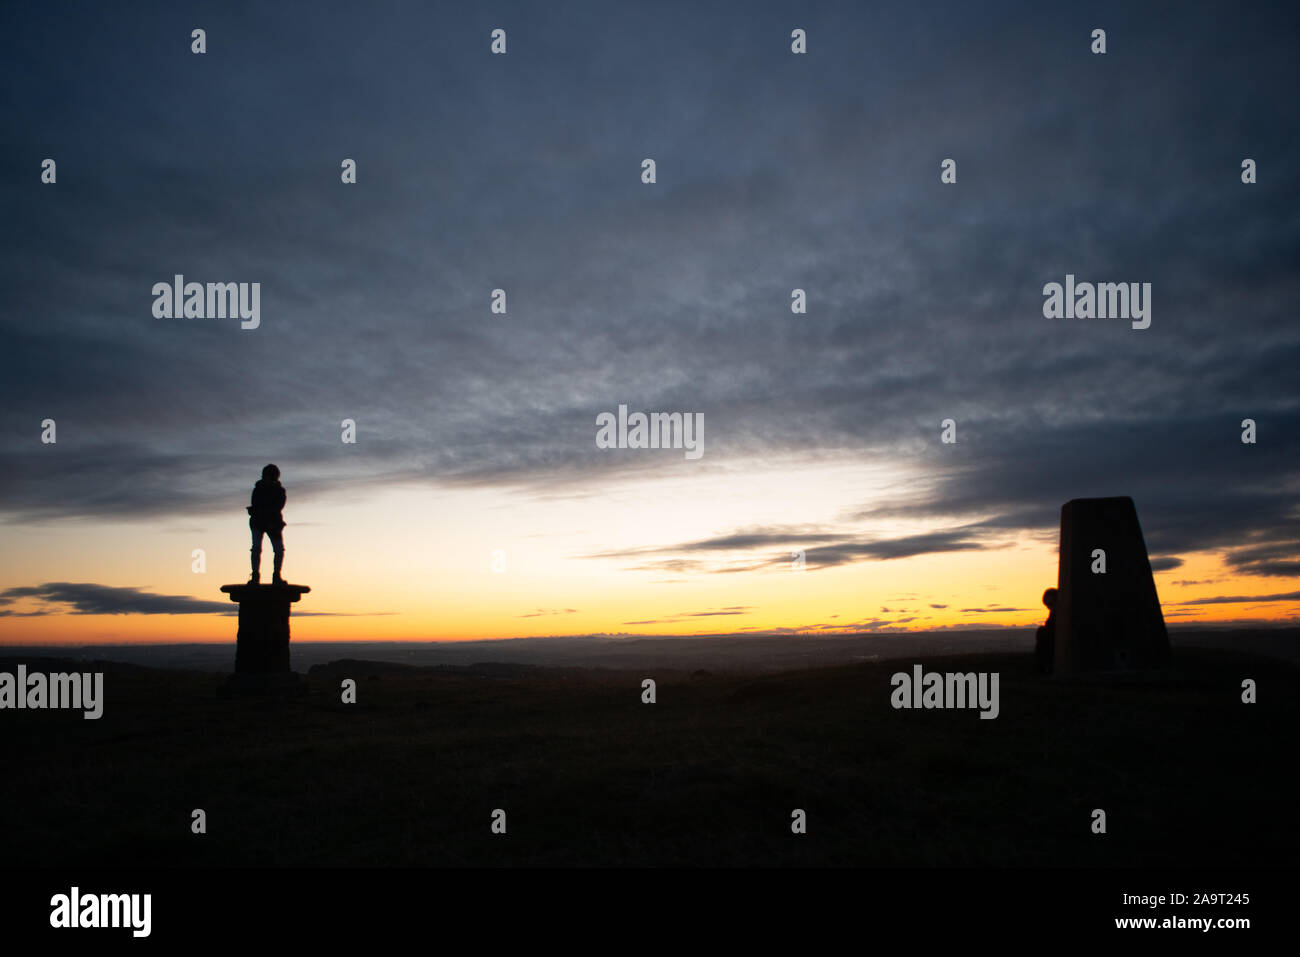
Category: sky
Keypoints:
(475, 502)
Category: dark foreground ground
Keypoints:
(410, 775)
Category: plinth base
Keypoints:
(263, 644)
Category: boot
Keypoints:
(256, 577)
(275, 576)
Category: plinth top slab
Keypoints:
(246, 592)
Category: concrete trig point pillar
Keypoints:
(262, 646)
(1110, 621)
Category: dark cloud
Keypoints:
(1279, 559)
(81, 598)
(522, 172)
(905, 547)
(1234, 599)
(745, 540)
(85, 598)
(1165, 563)
(728, 611)
(845, 551)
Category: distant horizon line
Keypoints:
(1227, 625)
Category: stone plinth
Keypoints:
(262, 647)
(1110, 621)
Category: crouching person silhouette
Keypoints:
(264, 519)
(1045, 645)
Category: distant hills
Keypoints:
(751, 653)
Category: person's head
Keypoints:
(1049, 598)
(270, 474)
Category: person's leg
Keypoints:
(256, 552)
(277, 547)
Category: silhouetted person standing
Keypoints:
(264, 518)
(1045, 645)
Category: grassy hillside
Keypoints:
(706, 776)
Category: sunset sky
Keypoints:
(775, 171)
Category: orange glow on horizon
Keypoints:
(612, 563)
